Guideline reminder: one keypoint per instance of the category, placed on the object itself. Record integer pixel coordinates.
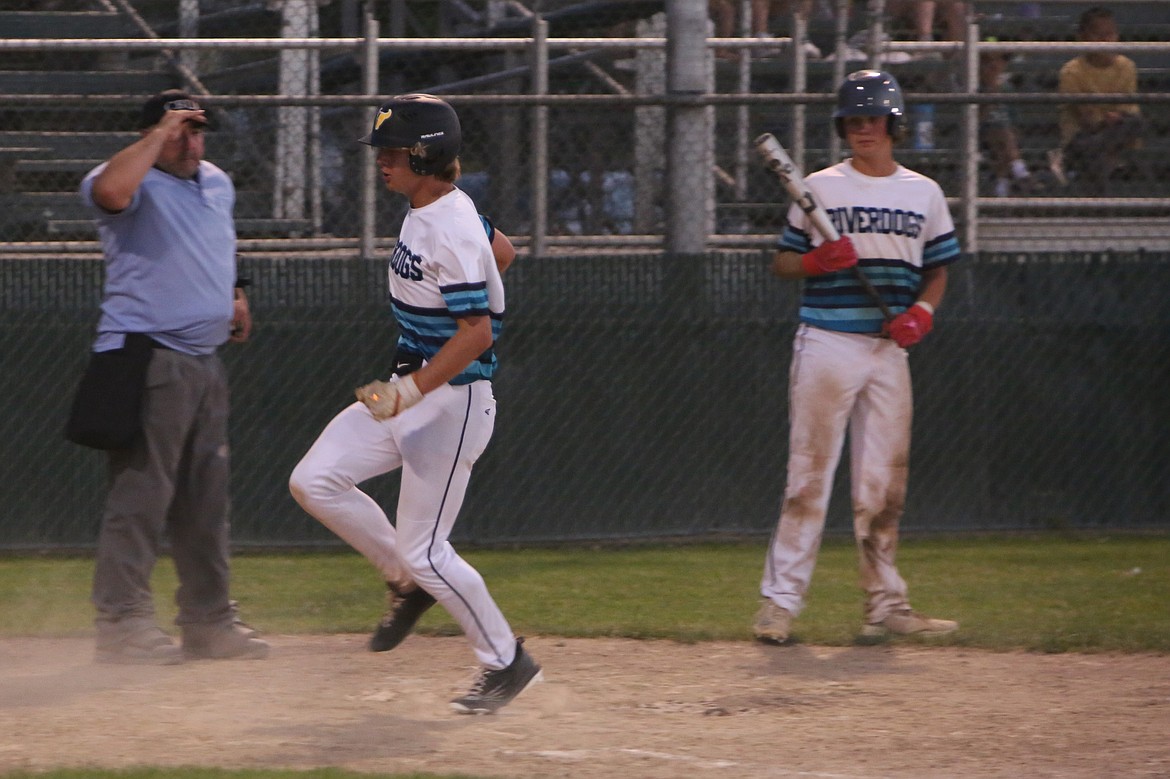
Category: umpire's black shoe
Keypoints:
(402, 612)
(494, 689)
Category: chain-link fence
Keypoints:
(569, 134)
(646, 396)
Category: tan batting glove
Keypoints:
(386, 399)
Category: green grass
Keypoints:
(1037, 593)
(1044, 593)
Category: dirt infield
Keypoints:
(608, 708)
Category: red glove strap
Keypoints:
(911, 326)
(829, 257)
(809, 263)
(922, 315)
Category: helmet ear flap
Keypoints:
(839, 123)
(896, 127)
(420, 162)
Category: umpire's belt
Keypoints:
(143, 341)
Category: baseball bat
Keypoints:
(778, 161)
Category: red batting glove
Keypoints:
(829, 257)
(911, 326)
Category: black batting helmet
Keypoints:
(871, 93)
(425, 125)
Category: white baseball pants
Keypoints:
(839, 382)
(435, 443)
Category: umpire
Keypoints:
(171, 298)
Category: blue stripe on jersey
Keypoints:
(433, 329)
(469, 299)
(488, 227)
(940, 251)
(851, 320)
(837, 301)
(424, 331)
(794, 240)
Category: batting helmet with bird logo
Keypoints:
(423, 124)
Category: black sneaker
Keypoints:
(494, 689)
(402, 612)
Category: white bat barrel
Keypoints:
(782, 165)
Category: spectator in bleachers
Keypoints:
(725, 13)
(1095, 136)
(921, 16)
(997, 132)
(918, 17)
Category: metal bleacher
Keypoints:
(1056, 224)
(47, 145)
(45, 149)
(1148, 167)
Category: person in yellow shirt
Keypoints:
(1094, 136)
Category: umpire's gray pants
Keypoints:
(175, 479)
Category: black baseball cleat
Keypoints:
(402, 612)
(494, 689)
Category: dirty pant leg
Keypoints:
(879, 434)
(822, 387)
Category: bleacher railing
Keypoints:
(539, 55)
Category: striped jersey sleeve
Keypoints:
(940, 251)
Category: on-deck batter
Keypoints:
(849, 367)
(434, 418)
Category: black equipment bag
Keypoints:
(107, 408)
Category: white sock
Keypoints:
(1019, 169)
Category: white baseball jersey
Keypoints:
(442, 269)
(900, 226)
